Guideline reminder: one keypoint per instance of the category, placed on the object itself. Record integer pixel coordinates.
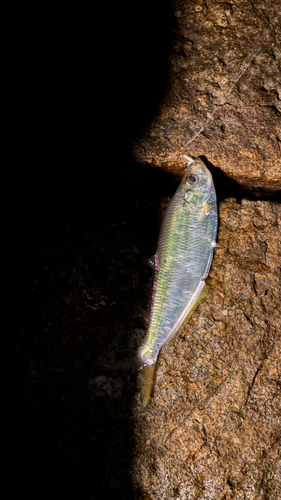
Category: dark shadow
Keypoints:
(76, 303)
(225, 186)
(229, 188)
(80, 220)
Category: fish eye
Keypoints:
(192, 179)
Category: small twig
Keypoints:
(249, 59)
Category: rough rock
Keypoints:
(224, 92)
(212, 430)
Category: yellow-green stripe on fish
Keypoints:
(182, 261)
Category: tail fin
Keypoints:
(147, 382)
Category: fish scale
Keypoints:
(183, 258)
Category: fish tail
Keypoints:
(147, 382)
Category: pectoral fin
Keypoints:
(205, 211)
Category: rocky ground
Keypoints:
(224, 92)
(212, 429)
(204, 81)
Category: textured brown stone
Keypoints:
(212, 430)
(224, 92)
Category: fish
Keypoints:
(182, 262)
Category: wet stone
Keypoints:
(212, 429)
(224, 93)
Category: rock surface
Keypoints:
(212, 430)
(224, 92)
(77, 290)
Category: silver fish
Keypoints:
(182, 261)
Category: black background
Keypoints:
(79, 220)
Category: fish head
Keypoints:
(197, 184)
